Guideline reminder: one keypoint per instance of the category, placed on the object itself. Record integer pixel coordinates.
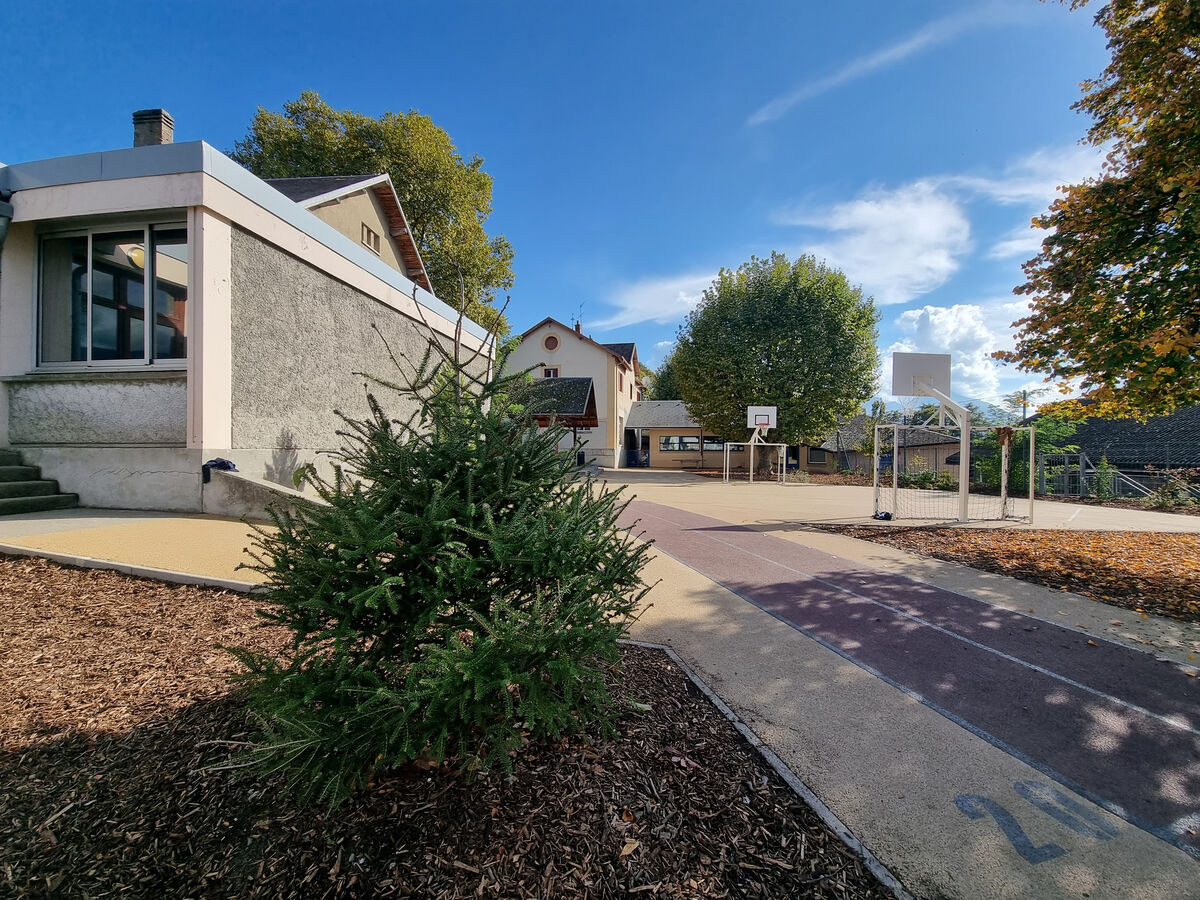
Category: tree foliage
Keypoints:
(459, 590)
(446, 198)
(792, 335)
(663, 384)
(1116, 287)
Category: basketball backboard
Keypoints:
(758, 416)
(913, 374)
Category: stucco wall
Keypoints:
(98, 409)
(298, 337)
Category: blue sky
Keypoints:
(637, 147)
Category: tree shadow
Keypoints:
(285, 459)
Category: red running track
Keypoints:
(1112, 723)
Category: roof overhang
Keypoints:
(385, 192)
(199, 157)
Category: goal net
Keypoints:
(917, 471)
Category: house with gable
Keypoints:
(160, 306)
(554, 350)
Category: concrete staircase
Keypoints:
(23, 490)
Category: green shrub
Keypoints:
(1173, 491)
(460, 590)
(1105, 481)
(946, 482)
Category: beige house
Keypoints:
(670, 438)
(554, 350)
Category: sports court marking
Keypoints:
(913, 652)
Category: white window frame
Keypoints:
(102, 227)
(370, 239)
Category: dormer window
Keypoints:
(370, 239)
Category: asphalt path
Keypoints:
(1113, 724)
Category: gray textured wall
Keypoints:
(298, 335)
(99, 409)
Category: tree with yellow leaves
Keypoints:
(1116, 287)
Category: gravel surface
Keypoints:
(120, 732)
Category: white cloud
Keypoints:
(661, 300)
(903, 242)
(1022, 242)
(898, 244)
(937, 32)
(970, 333)
(1033, 180)
(659, 352)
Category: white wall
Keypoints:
(575, 358)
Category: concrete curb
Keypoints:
(88, 562)
(877, 868)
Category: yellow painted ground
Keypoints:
(193, 544)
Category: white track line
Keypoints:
(1178, 724)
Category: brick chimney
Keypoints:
(152, 126)
(579, 328)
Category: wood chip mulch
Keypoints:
(118, 727)
(1147, 572)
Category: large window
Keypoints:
(816, 456)
(716, 445)
(95, 290)
(674, 442)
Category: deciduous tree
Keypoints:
(792, 335)
(663, 384)
(1116, 287)
(446, 198)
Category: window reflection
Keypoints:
(118, 295)
(93, 295)
(64, 299)
(170, 292)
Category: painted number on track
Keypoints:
(1048, 799)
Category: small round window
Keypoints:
(551, 342)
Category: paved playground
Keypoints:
(978, 749)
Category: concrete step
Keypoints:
(10, 457)
(12, 505)
(20, 473)
(43, 488)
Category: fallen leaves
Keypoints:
(119, 783)
(1146, 572)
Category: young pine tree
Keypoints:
(458, 588)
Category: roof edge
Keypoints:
(550, 320)
(200, 156)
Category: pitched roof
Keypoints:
(626, 351)
(849, 434)
(659, 414)
(607, 348)
(1162, 441)
(852, 433)
(314, 191)
(302, 189)
(572, 401)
